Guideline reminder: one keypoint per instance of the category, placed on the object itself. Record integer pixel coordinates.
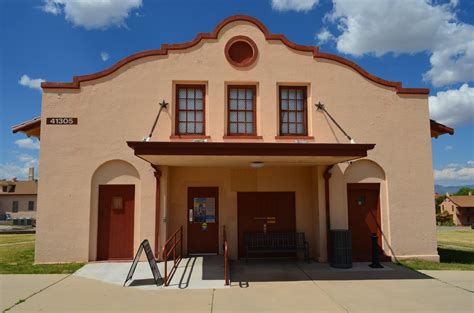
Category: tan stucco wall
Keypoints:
(123, 105)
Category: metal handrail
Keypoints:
(176, 238)
(226, 258)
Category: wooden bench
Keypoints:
(275, 242)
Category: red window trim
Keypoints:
(176, 120)
(254, 116)
(305, 113)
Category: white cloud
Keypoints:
(18, 169)
(93, 14)
(28, 143)
(294, 5)
(104, 56)
(455, 172)
(324, 36)
(453, 107)
(407, 26)
(448, 148)
(34, 83)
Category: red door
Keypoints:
(364, 219)
(116, 214)
(203, 220)
(264, 211)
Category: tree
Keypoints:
(464, 191)
(438, 201)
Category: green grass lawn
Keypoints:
(17, 257)
(456, 251)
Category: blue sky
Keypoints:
(419, 42)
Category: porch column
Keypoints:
(319, 217)
(163, 207)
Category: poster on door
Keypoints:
(204, 210)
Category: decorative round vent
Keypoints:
(241, 51)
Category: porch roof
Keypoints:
(242, 153)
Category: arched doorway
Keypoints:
(114, 189)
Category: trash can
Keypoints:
(341, 248)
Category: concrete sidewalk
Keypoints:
(461, 279)
(360, 294)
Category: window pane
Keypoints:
(198, 94)
(284, 117)
(249, 116)
(292, 105)
(299, 105)
(299, 117)
(190, 104)
(241, 117)
(249, 104)
(241, 105)
(249, 94)
(299, 94)
(182, 116)
(233, 128)
(284, 129)
(182, 93)
(199, 116)
(182, 104)
(292, 117)
(284, 93)
(190, 128)
(249, 128)
(198, 128)
(191, 93)
(233, 93)
(300, 129)
(241, 129)
(284, 104)
(233, 104)
(198, 104)
(233, 116)
(292, 94)
(190, 116)
(182, 128)
(241, 93)
(292, 129)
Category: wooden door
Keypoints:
(116, 218)
(364, 219)
(264, 211)
(203, 220)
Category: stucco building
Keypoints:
(460, 207)
(241, 144)
(18, 198)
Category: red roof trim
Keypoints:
(75, 84)
(440, 129)
(27, 125)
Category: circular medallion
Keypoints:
(241, 51)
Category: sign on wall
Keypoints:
(204, 210)
(61, 120)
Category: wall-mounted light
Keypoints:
(256, 164)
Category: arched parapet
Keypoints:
(112, 172)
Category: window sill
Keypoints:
(242, 137)
(293, 137)
(190, 137)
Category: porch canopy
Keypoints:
(239, 154)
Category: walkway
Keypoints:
(318, 289)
